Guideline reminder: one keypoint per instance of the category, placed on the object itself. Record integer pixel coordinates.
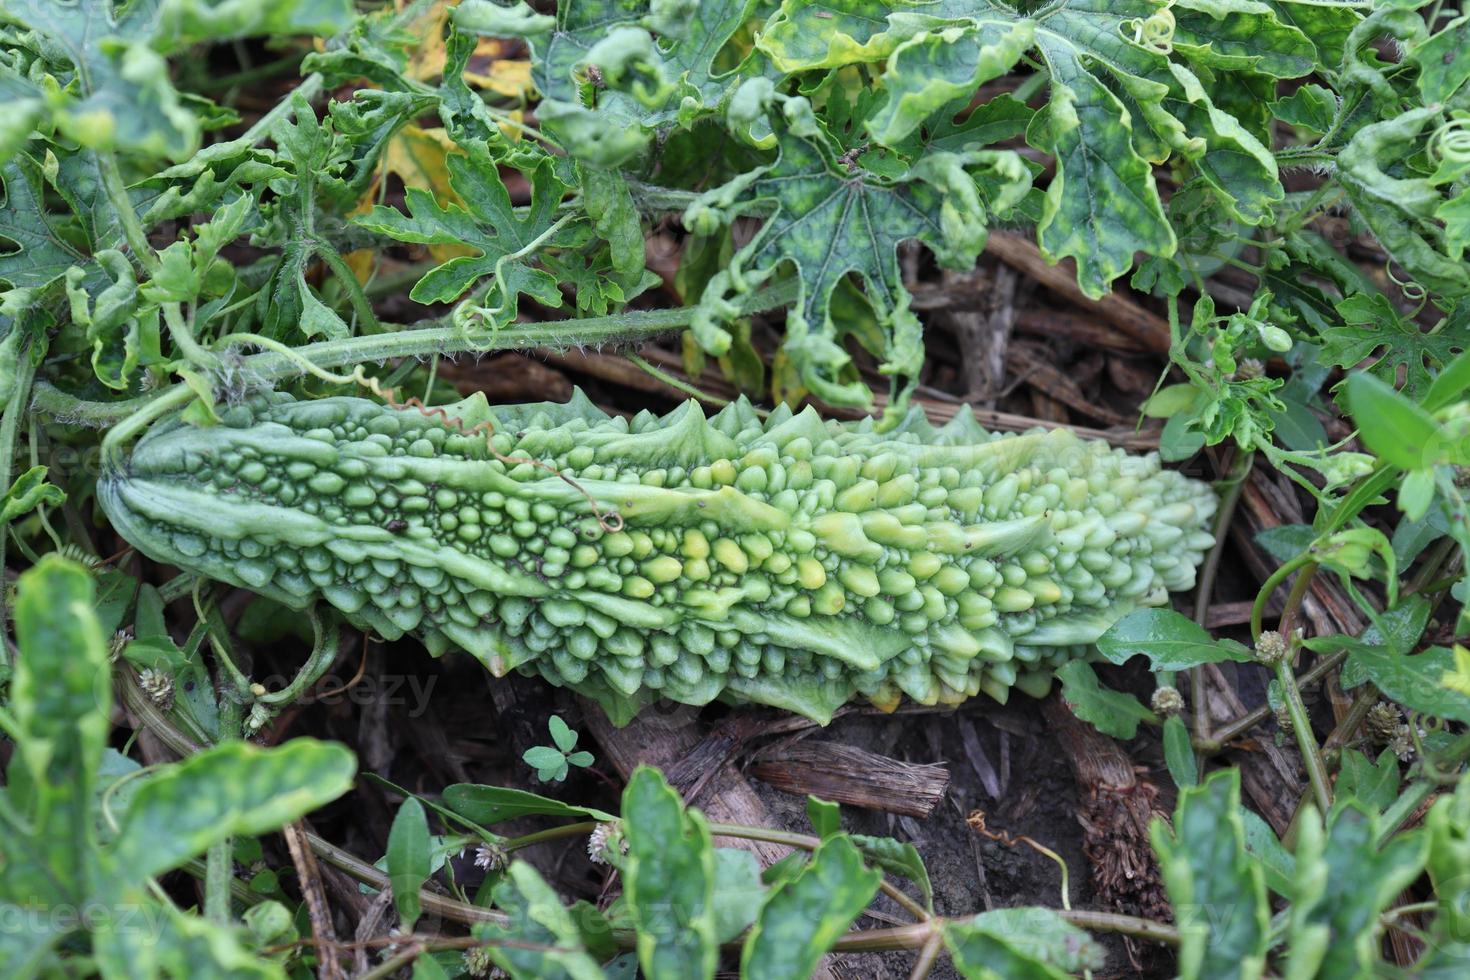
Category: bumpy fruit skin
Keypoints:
(793, 562)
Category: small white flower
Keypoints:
(1167, 701)
(603, 839)
(158, 686)
(1271, 648)
(488, 857)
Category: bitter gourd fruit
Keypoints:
(793, 561)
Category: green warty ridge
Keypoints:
(792, 562)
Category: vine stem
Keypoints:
(1302, 725)
(323, 655)
(25, 373)
(219, 860)
(1255, 716)
(1258, 609)
(269, 367)
(1207, 587)
(803, 842)
(928, 955)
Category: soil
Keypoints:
(425, 724)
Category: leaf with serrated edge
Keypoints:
(831, 223)
(488, 224)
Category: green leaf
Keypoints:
(1277, 863)
(1443, 61)
(610, 206)
(824, 816)
(668, 880)
(806, 914)
(1118, 101)
(932, 69)
(1285, 541)
(1216, 888)
(739, 892)
(29, 491)
(830, 222)
(174, 943)
(1374, 785)
(543, 757)
(561, 734)
(1028, 943)
(1102, 206)
(1169, 640)
(542, 941)
(646, 88)
(114, 90)
(1110, 712)
(1402, 627)
(1341, 886)
(1413, 681)
(104, 300)
(809, 34)
(61, 697)
(505, 241)
(120, 96)
(1391, 425)
(490, 805)
(1179, 753)
(1400, 210)
(408, 859)
(1371, 326)
(1310, 107)
(40, 254)
(896, 857)
(232, 789)
(181, 23)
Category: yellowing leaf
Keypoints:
(489, 67)
(503, 76)
(418, 157)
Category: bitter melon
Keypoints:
(793, 561)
